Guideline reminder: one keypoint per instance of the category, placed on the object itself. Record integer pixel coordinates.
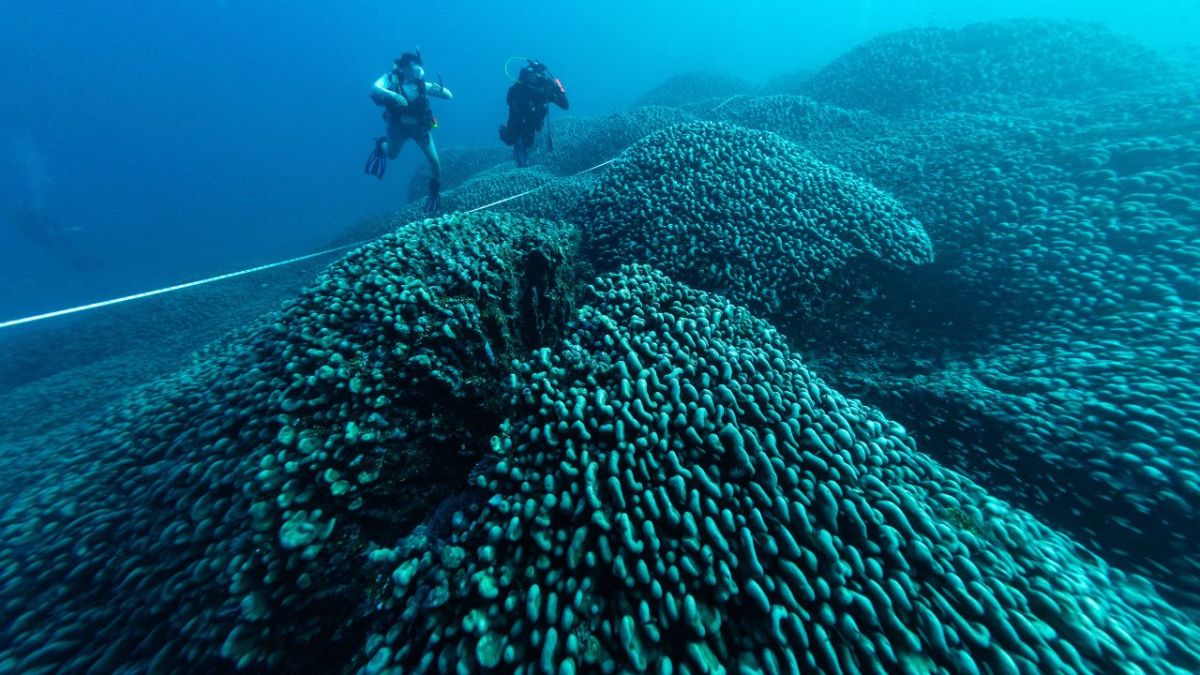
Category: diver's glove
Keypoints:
(434, 201)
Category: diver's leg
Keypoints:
(514, 139)
(434, 201)
(525, 142)
(395, 141)
(435, 163)
(529, 129)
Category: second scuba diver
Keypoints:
(404, 95)
(528, 105)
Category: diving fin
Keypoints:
(433, 202)
(377, 160)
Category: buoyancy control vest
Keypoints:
(417, 113)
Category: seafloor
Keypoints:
(890, 367)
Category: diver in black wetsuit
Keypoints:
(529, 102)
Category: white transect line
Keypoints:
(724, 102)
(260, 268)
(531, 190)
(169, 289)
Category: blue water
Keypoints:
(175, 140)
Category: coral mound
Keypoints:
(930, 67)
(695, 88)
(677, 491)
(747, 214)
(225, 512)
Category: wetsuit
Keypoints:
(410, 121)
(528, 105)
(408, 115)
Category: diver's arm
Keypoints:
(555, 93)
(380, 92)
(438, 90)
(560, 98)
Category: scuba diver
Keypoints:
(529, 102)
(404, 95)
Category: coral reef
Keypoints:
(749, 215)
(677, 490)
(932, 67)
(695, 89)
(897, 376)
(1058, 317)
(222, 513)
